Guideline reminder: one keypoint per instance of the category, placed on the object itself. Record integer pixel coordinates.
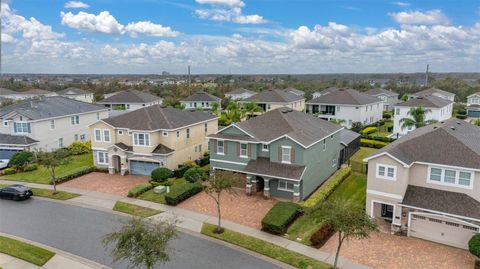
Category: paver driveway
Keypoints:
(103, 182)
(239, 208)
(384, 250)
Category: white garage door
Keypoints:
(442, 230)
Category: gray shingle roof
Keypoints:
(21, 140)
(426, 101)
(240, 91)
(162, 150)
(274, 96)
(156, 117)
(49, 107)
(72, 91)
(123, 146)
(201, 96)
(454, 143)
(284, 121)
(432, 91)
(263, 166)
(471, 95)
(37, 91)
(344, 97)
(378, 91)
(347, 136)
(4, 91)
(130, 96)
(443, 201)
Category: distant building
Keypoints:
(200, 100)
(77, 94)
(240, 94)
(434, 91)
(130, 100)
(272, 99)
(389, 98)
(473, 105)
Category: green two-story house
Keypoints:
(283, 153)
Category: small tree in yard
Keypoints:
(220, 181)
(141, 243)
(20, 159)
(347, 219)
(52, 160)
(474, 248)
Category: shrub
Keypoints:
(180, 171)
(387, 115)
(139, 189)
(161, 174)
(280, 217)
(9, 171)
(369, 130)
(462, 111)
(194, 174)
(379, 138)
(20, 159)
(327, 188)
(75, 174)
(78, 147)
(356, 127)
(474, 245)
(320, 237)
(461, 117)
(182, 192)
(372, 143)
(30, 168)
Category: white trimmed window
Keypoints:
(5, 123)
(60, 142)
(98, 115)
(243, 150)
(106, 136)
(324, 146)
(178, 134)
(102, 157)
(284, 185)
(450, 177)
(22, 127)
(386, 171)
(98, 135)
(286, 154)
(206, 127)
(165, 134)
(264, 147)
(220, 147)
(75, 120)
(188, 132)
(120, 132)
(141, 139)
(52, 124)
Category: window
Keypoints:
(269, 106)
(397, 111)
(178, 134)
(75, 137)
(285, 185)
(120, 132)
(188, 132)
(195, 148)
(324, 146)
(98, 135)
(165, 134)
(220, 147)
(265, 147)
(199, 148)
(243, 150)
(98, 115)
(141, 139)
(5, 123)
(102, 157)
(60, 142)
(22, 127)
(386, 171)
(106, 135)
(334, 162)
(82, 137)
(286, 154)
(75, 120)
(206, 127)
(450, 177)
(338, 108)
(52, 124)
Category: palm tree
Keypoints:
(251, 108)
(417, 120)
(216, 108)
(234, 112)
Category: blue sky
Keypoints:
(239, 36)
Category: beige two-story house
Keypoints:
(427, 184)
(141, 140)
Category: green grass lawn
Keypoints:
(135, 210)
(362, 153)
(24, 251)
(265, 248)
(59, 195)
(42, 175)
(383, 134)
(352, 188)
(160, 198)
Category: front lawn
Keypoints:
(30, 253)
(135, 210)
(59, 195)
(353, 188)
(362, 153)
(160, 198)
(42, 175)
(265, 248)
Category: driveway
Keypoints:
(384, 250)
(238, 207)
(103, 182)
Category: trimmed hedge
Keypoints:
(174, 197)
(327, 188)
(75, 174)
(9, 171)
(161, 174)
(369, 130)
(372, 143)
(461, 117)
(194, 174)
(378, 138)
(280, 217)
(474, 245)
(320, 237)
(139, 189)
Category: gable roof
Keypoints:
(4, 91)
(380, 91)
(49, 107)
(275, 96)
(426, 101)
(37, 91)
(279, 122)
(295, 91)
(344, 96)
(130, 96)
(201, 96)
(348, 136)
(453, 143)
(431, 91)
(73, 91)
(20, 140)
(155, 117)
(473, 94)
(240, 91)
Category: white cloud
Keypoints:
(6, 38)
(401, 4)
(429, 17)
(230, 3)
(76, 4)
(149, 28)
(249, 19)
(227, 10)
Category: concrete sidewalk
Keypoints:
(191, 221)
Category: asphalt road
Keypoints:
(79, 231)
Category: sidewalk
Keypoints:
(191, 221)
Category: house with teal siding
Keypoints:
(283, 153)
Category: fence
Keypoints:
(359, 167)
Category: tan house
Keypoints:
(272, 99)
(139, 141)
(427, 184)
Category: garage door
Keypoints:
(7, 153)
(142, 168)
(441, 230)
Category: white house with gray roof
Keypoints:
(347, 105)
(239, 94)
(427, 184)
(388, 97)
(434, 91)
(77, 94)
(52, 122)
(130, 100)
(200, 100)
(473, 105)
(272, 99)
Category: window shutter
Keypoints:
(292, 155)
(214, 146)
(238, 149)
(225, 147)
(279, 154)
(249, 150)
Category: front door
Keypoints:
(387, 211)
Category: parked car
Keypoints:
(4, 163)
(16, 192)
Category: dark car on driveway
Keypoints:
(16, 192)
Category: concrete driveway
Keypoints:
(106, 183)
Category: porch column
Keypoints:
(123, 165)
(111, 166)
(248, 188)
(266, 187)
(296, 192)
